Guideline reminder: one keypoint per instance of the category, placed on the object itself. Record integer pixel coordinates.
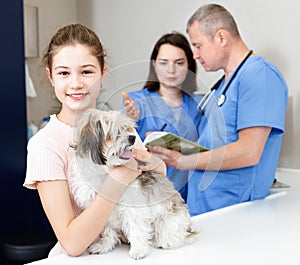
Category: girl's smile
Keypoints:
(77, 96)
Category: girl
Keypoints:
(74, 64)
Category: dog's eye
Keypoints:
(131, 139)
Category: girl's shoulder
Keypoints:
(55, 133)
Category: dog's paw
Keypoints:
(99, 248)
(138, 252)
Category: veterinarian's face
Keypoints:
(208, 51)
(171, 66)
(76, 78)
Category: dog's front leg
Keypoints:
(108, 240)
(139, 234)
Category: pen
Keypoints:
(163, 127)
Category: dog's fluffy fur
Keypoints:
(150, 212)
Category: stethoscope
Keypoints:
(221, 98)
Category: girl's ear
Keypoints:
(48, 73)
(104, 71)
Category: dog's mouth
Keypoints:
(127, 153)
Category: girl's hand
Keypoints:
(150, 162)
(126, 173)
(130, 107)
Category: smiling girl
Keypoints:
(74, 64)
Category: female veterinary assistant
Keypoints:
(167, 101)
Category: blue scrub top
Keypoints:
(154, 113)
(257, 96)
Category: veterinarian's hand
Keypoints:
(170, 157)
(150, 162)
(130, 107)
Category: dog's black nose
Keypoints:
(131, 139)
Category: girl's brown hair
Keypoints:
(71, 35)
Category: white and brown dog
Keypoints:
(150, 213)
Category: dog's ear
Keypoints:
(91, 141)
(99, 157)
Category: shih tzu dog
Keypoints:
(150, 213)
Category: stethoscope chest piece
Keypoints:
(221, 99)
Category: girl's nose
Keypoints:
(76, 82)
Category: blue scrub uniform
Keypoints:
(257, 96)
(154, 113)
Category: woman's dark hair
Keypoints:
(178, 40)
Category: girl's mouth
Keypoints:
(77, 96)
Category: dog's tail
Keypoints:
(192, 235)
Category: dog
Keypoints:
(150, 213)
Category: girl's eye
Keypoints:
(86, 72)
(63, 73)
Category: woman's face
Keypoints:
(171, 66)
(76, 77)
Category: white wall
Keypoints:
(130, 28)
(51, 16)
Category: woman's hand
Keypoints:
(149, 162)
(130, 107)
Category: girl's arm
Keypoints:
(75, 234)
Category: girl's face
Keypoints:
(76, 77)
(171, 66)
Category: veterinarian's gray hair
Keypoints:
(213, 17)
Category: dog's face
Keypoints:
(106, 137)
